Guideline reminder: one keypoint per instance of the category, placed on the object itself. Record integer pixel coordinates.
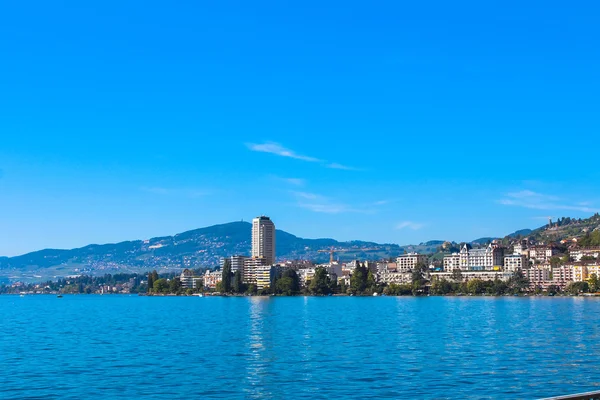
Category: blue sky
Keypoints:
(387, 121)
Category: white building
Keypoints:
(487, 259)
(407, 262)
(542, 253)
(211, 278)
(251, 268)
(451, 262)
(263, 239)
(236, 262)
(468, 275)
(515, 262)
(563, 273)
(578, 253)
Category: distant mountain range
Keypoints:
(192, 249)
(203, 247)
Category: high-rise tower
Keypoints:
(263, 239)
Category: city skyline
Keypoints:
(395, 123)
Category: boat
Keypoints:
(59, 296)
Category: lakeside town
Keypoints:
(523, 266)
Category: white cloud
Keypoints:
(341, 166)
(295, 181)
(541, 201)
(277, 149)
(409, 225)
(323, 204)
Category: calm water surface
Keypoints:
(314, 348)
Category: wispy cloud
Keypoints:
(341, 166)
(295, 181)
(409, 225)
(324, 204)
(183, 192)
(541, 201)
(277, 149)
(282, 151)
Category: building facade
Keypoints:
(490, 258)
(515, 262)
(263, 239)
(407, 262)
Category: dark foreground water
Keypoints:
(284, 348)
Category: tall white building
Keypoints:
(263, 239)
(408, 262)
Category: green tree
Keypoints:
(518, 282)
(226, 276)
(161, 286)
(238, 284)
(174, 285)
(320, 284)
(371, 284)
(342, 286)
(293, 284)
(475, 286)
(219, 287)
(457, 275)
(593, 283)
(358, 280)
(251, 289)
(578, 287)
(418, 278)
(284, 286)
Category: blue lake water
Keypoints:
(313, 348)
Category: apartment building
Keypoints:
(407, 262)
(515, 262)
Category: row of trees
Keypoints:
(518, 283)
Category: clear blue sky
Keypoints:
(388, 121)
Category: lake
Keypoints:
(91, 346)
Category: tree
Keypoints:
(320, 284)
(371, 284)
(161, 286)
(578, 287)
(174, 285)
(518, 282)
(219, 287)
(238, 284)
(284, 286)
(475, 286)
(457, 275)
(150, 282)
(593, 283)
(342, 286)
(251, 289)
(418, 278)
(358, 280)
(226, 276)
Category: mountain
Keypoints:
(199, 248)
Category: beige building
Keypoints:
(542, 254)
(451, 262)
(468, 275)
(263, 239)
(577, 253)
(407, 262)
(515, 262)
(251, 268)
(564, 273)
